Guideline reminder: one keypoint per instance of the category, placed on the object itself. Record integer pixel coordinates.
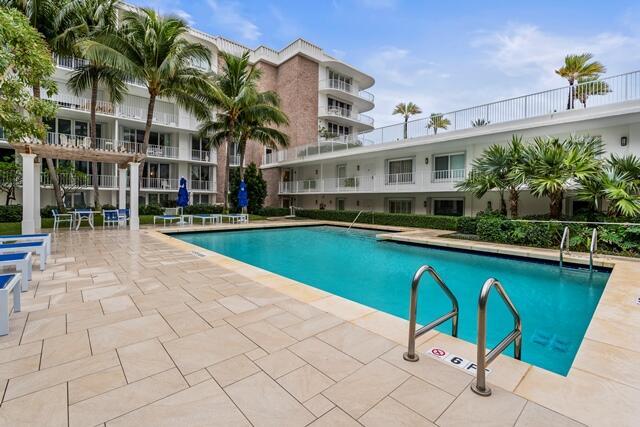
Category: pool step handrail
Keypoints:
(411, 355)
(593, 247)
(358, 216)
(483, 358)
(564, 244)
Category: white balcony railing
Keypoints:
(137, 113)
(343, 86)
(401, 182)
(84, 142)
(451, 175)
(73, 102)
(201, 155)
(274, 157)
(65, 179)
(159, 183)
(347, 114)
(69, 62)
(166, 151)
(200, 185)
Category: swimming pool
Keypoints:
(555, 304)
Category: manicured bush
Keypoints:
(400, 220)
(11, 213)
(47, 211)
(107, 207)
(494, 229)
(150, 210)
(467, 225)
(256, 188)
(267, 211)
(203, 209)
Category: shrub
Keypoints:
(108, 207)
(400, 220)
(150, 210)
(267, 211)
(11, 213)
(203, 209)
(256, 188)
(46, 212)
(494, 229)
(467, 225)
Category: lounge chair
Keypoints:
(124, 215)
(19, 238)
(7, 284)
(59, 218)
(39, 248)
(22, 262)
(112, 217)
(237, 218)
(214, 218)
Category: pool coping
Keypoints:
(600, 386)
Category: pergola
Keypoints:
(31, 169)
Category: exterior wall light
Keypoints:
(426, 160)
(624, 141)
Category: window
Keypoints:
(81, 128)
(200, 173)
(339, 107)
(399, 171)
(336, 130)
(448, 167)
(340, 203)
(400, 206)
(339, 81)
(341, 171)
(449, 207)
(202, 199)
(137, 135)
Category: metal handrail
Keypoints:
(358, 216)
(515, 336)
(593, 247)
(411, 355)
(565, 239)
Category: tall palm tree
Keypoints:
(576, 67)
(234, 90)
(41, 15)
(496, 169)
(154, 50)
(407, 110)
(90, 19)
(552, 165)
(438, 121)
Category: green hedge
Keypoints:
(467, 225)
(267, 211)
(203, 209)
(378, 218)
(150, 210)
(11, 213)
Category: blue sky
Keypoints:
(442, 55)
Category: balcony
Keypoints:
(104, 181)
(73, 102)
(274, 157)
(341, 87)
(201, 155)
(140, 114)
(163, 151)
(200, 185)
(347, 117)
(162, 184)
(387, 183)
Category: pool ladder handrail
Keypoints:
(563, 242)
(515, 336)
(358, 216)
(593, 247)
(411, 355)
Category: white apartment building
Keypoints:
(384, 172)
(316, 89)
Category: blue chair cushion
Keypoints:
(21, 245)
(111, 215)
(18, 256)
(168, 217)
(17, 236)
(5, 279)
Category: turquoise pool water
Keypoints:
(556, 304)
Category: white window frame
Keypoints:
(411, 200)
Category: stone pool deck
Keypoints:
(141, 329)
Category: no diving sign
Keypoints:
(456, 361)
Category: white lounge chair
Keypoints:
(59, 218)
(8, 283)
(39, 248)
(37, 237)
(214, 218)
(22, 263)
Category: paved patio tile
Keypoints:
(357, 342)
(204, 349)
(237, 304)
(390, 412)
(265, 403)
(233, 370)
(19, 352)
(330, 361)
(335, 418)
(280, 363)
(44, 328)
(95, 384)
(119, 334)
(202, 405)
(305, 382)
(47, 407)
(312, 326)
(422, 397)
(534, 415)
(143, 359)
(501, 409)
(186, 322)
(360, 391)
(119, 303)
(268, 337)
(319, 405)
(65, 348)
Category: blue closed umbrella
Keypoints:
(243, 196)
(183, 194)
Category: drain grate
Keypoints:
(198, 254)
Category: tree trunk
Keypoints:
(503, 204)
(227, 173)
(52, 168)
(555, 205)
(243, 210)
(94, 145)
(514, 197)
(570, 100)
(147, 135)
(406, 124)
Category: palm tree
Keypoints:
(576, 67)
(90, 19)
(41, 15)
(153, 49)
(438, 121)
(550, 166)
(497, 169)
(589, 86)
(406, 110)
(479, 123)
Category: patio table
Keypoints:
(80, 214)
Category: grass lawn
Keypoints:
(15, 227)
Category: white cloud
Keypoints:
(228, 15)
(378, 4)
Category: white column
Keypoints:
(133, 194)
(122, 188)
(28, 198)
(37, 170)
